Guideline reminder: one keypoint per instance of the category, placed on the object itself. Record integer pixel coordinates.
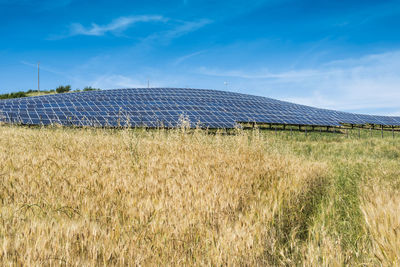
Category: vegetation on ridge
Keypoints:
(60, 89)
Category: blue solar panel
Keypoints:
(164, 107)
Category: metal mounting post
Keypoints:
(38, 76)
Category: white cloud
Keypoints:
(365, 83)
(186, 57)
(117, 25)
(177, 28)
(181, 29)
(186, 27)
(42, 68)
(259, 74)
(116, 81)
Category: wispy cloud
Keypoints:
(354, 84)
(118, 25)
(186, 27)
(116, 81)
(183, 27)
(186, 57)
(45, 68)
(261, 74)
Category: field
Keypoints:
(179, 197)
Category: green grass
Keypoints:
(40, 93)
(352, 159)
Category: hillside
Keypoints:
(58, 90)
(94, 197)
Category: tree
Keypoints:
(89, 88)
(63, 89)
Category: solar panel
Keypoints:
(165, 107)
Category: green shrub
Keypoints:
(89, 88)
(13, 95)
(63, 89)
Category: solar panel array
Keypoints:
(165, 107)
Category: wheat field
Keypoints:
(85, 197)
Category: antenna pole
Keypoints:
(226, 85)
(38, 76)
(148, 83)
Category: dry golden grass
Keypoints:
(381, 208)
(132, 197)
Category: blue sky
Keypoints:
(333, 54)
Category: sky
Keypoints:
(342, 55)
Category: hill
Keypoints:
(58, 90)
